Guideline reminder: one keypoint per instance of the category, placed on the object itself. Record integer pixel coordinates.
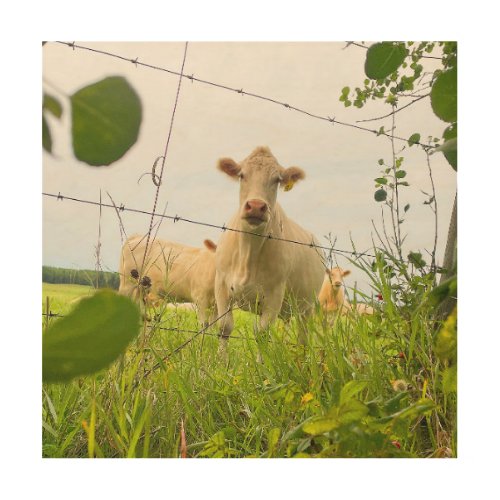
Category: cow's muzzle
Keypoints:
(255, 212)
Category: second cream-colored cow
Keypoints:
(258, 273)
(171, 271)
(332, 297)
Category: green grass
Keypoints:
(333, 397)
(62, 298)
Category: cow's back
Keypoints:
(166, 265)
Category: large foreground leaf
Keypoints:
(106, 117)
(444, 96)
(384, 58)
(90, 338)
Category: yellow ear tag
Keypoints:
(288, 185)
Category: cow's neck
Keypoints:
(251, 248)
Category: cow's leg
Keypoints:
(206, 312)
(201, 309)
(226, 321)
(271, 306)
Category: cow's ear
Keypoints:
(290, 176)
(347, 272)
(229, 167)
(210, 245)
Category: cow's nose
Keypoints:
(255, 206)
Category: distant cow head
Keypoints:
(336, 276)
(260, 174)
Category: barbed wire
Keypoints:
(240, 91)
(223, 228)
(196, 333)
(51, 314)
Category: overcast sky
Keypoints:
(340, 162)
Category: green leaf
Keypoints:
(407, 207)
(450, 379)
(444, 96)
(351, 389)
(106, 118)
(450, 146)
(414, 139)
(446, 289)
(352, 411)
(272, 438)
(446, 339)
(416, 259)
(46, 137)
(89, 338)
(320, 425)
(345, 91)
(380, 195)
(400, 174)
(382, 59)
(448, 134)
(419, 408)
(392, 100)
(381, 180)
(393, 404)
(51, 104)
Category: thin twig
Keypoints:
(164, 157)
(433, 263)
(394, 111)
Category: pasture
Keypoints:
(366, 386)
(312, 376)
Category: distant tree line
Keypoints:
(97, 279)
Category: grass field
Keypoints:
(361, 387)
(63, 297)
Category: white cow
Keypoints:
(171, 271)
(332, 297)
(264, 275)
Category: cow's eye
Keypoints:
(241, 176)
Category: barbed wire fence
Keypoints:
(157, 179)
(242, 92)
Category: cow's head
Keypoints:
(336, 277)
(259, 174)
